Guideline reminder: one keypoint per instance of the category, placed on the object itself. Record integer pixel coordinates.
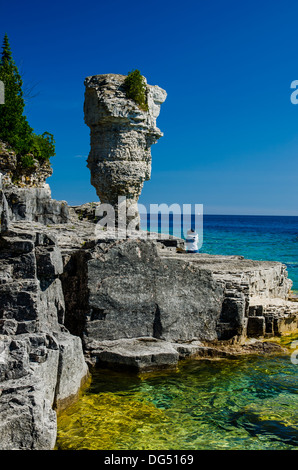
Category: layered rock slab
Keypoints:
(119, 290)
(37, 377)
(133, 292)
(42, 365)
(24, 193)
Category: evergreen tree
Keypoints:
(135, 88)
(14, 128)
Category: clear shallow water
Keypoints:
(250, 403)
(246, 404)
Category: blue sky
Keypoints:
(230, 130)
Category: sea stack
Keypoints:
(121, 136)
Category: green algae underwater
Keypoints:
(248, 403)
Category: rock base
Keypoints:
(70, 300)
(147, 354)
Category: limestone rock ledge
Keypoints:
(120, 290)
(42, 365)
(39, 374)
(136, 288)
(146, 354)
(25, 195)
(71, 300)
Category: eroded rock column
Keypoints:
(121, 136)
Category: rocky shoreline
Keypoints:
(73, 297)
(71, 302)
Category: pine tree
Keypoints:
(14, 128)
(135, 88)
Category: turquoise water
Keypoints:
(249, 403)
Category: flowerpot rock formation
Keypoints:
(71, 301)
(121, 136)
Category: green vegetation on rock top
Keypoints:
(136, 89)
